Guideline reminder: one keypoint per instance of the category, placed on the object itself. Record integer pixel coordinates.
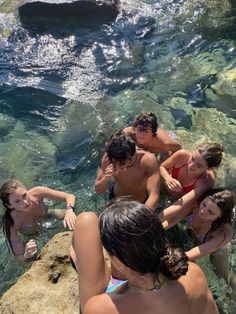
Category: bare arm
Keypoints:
(105, 173)
(20, 252)
(153, 181)
(70, 216)
(178, 211)
(218, 240)
(171, 183)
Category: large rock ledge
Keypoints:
(49, 286)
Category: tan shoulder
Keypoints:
(129, 130)
(37, 190)
(197, 277)
(207, 179)
(147, 157)
(100, 304)
(225, 232)
(163, 135)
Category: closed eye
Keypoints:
(211, 212)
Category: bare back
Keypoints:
(189, 294)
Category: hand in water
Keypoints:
(30, 249)
(174, 185)
(69, 219)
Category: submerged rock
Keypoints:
(226, 83)
(46, 14)
(49, 286)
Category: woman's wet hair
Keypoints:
(120, 147)
(146, 120)
(212, 153)
(134, 234)
(225, 200)
(6, 190)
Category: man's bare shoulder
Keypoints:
(146, 156)
(129, 130)
(100, 304)
(163, 135)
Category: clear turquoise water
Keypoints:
(62, 93)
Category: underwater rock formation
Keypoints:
(47, 14)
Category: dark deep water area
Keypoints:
(64, 88)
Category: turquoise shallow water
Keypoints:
(62, 93)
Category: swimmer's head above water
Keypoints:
(132, 233)
(146, 121)
(217, 207)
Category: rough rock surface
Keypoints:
(49, 286)
(47, 14)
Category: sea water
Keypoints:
(64, 90)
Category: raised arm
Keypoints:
(44, 192)
(104, 175)
(153, 180)
(219, 239)
(178, 210)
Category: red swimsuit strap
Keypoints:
(175, 172)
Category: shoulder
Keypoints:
(207, 180)
(225, 232)
(179, 157)
(147, 158)
(196, 277)
(129, 130)
(37, 190)
(163, 136)
(100, 304)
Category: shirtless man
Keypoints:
(149, 137)
(136, 173)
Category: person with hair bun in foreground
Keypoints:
(159, 279)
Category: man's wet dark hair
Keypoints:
(146, 120)
(133, 233)
(120, 147)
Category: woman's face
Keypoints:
(197, 163)
(208, 210)
(19, 200)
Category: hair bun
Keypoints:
(174, 264)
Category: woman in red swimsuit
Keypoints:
(185, 171)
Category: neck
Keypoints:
(146, 283)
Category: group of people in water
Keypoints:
(146, 272)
